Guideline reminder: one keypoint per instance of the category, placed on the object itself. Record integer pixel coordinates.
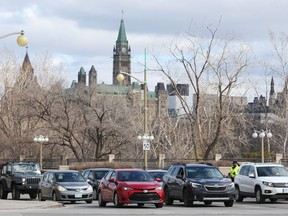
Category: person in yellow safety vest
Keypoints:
(234, 170)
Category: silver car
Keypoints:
(64, 185)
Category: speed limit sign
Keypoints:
(146, 146)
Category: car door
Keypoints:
(172, 184)
(43, 184)
(50, 185)
(179, 181)
(104, 186)
(111, 187)
(250, 184)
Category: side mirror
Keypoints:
(179, 176)
(252, 175)
(158, 179)
(8, 172)
(112, 180)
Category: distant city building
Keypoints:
(175, 95)
(259, 105)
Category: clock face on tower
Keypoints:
(123, 49)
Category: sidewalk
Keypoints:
(26, 203)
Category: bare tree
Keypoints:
(211, 66)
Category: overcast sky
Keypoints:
(79, 33)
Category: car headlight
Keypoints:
(127, 188)
(269, 184)
(90, 188)
(196, 185)
(158, 188)
(231, 185)
(23, 180)
(61, 189)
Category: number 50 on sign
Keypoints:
(146, 146)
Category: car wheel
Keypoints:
(54, 197)
(40, 196)
(100, 201)
(116, 200)
(273, 199)
(158, 205)
(140, 204)
(187, 202)
(258, 195)
(207, 202)
(238, 196)
(167, 199)
(33, 195)
(88, 201)
(3, 193)
(15, 193)
(229, 203)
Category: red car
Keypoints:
(128, 186)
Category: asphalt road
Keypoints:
(47, 208)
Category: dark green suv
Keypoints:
(197, 182)
(19, 178)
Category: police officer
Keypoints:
(234, 170)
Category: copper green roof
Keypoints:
(122, 39)
(82, 71)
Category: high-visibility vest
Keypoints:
(234, 171)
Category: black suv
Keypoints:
(197, 182)
(19, 178)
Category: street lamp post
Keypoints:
(262, 134)
(145, 138)
(22, 40)
(41, 139)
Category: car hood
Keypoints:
(212, 181)
(274, 179)
(141, 185)
(73, 184)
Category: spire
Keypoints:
(122, 39)
(27, 66)
(272, 91)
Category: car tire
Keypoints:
(158, 205)
(116, 201)
(258, 195)
(273, 200)
(238, 196)
(229, 203)
(33, 195)
(167, 199)
(207, 203)
(3, 193)
(89, 201)
(15, 193)
(187, 202)
(101, 203)
(140, 204)
(40, 196)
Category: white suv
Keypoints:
(261, 181)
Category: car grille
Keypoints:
(76, 189)
(281, 185)
(215, 188)
(33, 180)
(144, 197)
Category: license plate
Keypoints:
(78, 195)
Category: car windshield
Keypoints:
(99, 174)
(135, 176)
(26, 168)
(272, 171)
(203, 172)
(69, 177)
(156, 174)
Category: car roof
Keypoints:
(62, 171)
(263, 164)
(128, 169)
(199, 165)
(157, 170)
(96, 169)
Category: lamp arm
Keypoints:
(12, 33)
(140, 81)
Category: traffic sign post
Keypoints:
(146, 146)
